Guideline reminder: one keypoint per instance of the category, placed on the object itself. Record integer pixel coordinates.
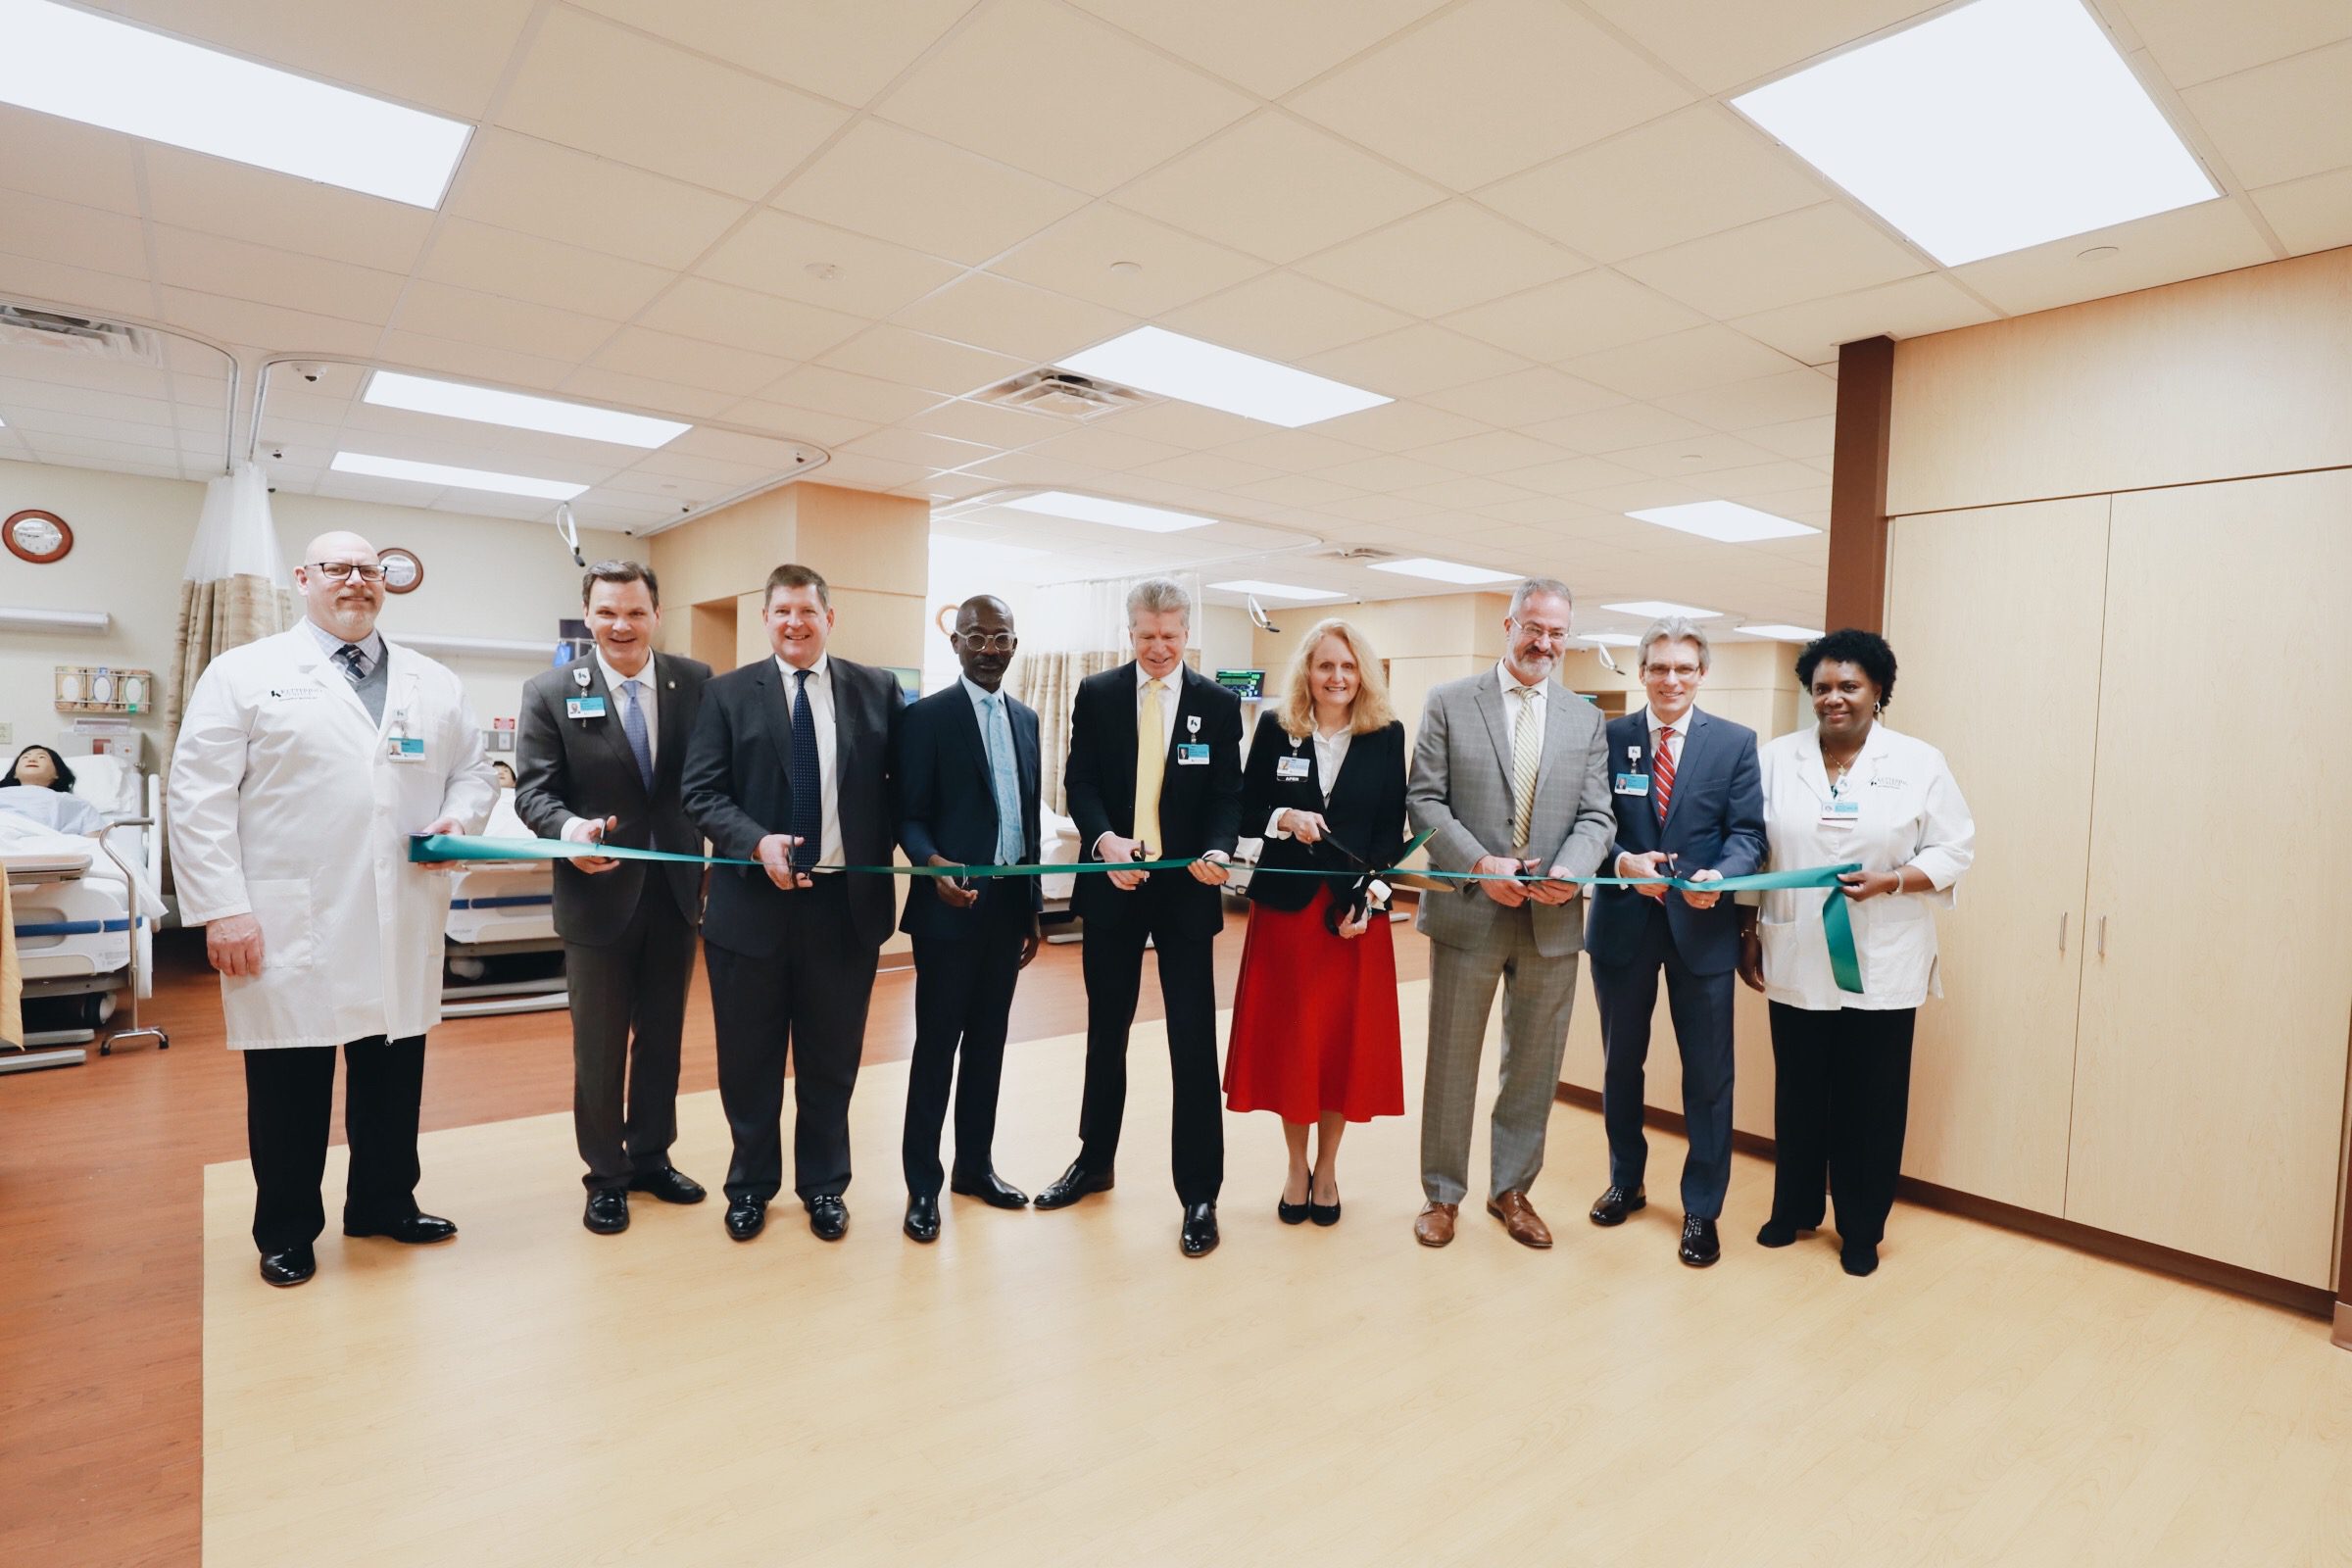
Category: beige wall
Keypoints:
(1426, 641)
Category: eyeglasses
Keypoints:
(340, 570)
(994, 642)
(1681, 671)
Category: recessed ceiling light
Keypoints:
(1660, 608)
(1274, 590)
(390, 389)
(1778, 632)
(1117, 513)
(448, 477)
(81, 66)
(1173, 366)
(1997, 126)
(1442, 570)
(1725, 520)
(1611, 639)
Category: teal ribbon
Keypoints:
(1837, 920)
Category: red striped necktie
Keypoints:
(1663, 766)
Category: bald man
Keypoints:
(304, 762)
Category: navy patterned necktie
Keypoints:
(807, 806)
(632, 726)
(351, 656)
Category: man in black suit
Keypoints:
(600, 743)
(967, 781)
(1155, 773)
(789, 765)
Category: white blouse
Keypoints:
(1898, 806)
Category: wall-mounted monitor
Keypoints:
(1248, 684)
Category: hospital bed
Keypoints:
(501, 915)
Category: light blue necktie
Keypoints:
(632, 724)
(998, 733)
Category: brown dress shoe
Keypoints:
(1520, 1219)
(1434, 1227)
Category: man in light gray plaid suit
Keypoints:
(1510, 774)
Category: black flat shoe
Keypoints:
(828, 1218)
(747, 1217)
(991, 1188)
(922, 1218)
(417, 1230)
(668, 1184)
(608, 1212)
(1860, 1258)
(1700, 1246)
(1324, 1214)
(1613, 1205)
(1072, 1185)
(1782, 1233)
(1290, 1213)
(1199, 1237)
(292, 1266)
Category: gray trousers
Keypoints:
(1537, 993)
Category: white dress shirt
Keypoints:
(1513, 704)
(371, 647)
(820, 704)
(1330, 754)
(577, 828)
(1674, 753)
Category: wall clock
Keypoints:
(39, 537)
(403, 571)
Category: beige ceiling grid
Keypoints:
(1589, 284)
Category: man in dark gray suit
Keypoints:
(599, 746)
(1510, 777)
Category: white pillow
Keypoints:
(109, 783)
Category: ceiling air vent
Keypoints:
(23, 326)
(1065, 393)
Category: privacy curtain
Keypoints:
(234, 590)
(1076, 630)
(12, 976)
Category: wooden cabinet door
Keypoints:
(1993, 615)
(2209, 1088)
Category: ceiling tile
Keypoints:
(927, 452)
(2281, 120)
(1387, 475)
(1719, 46)
(1269, 49)
(1004, 430)
(214, 265)
(1912, 307)
(1829, 249)
(1206, 470)
(621, 389)
(1050, 90)
(1572, 476)
(605, 89)
(475, 362)
(2310, 215)
(1764, 478)
(1296, 451)
(1524, 397)
(1296, 490)
(1494, 452)
(1170, 268)
(1277, 189)
(1704, 356)
(269, 327)
(1582, 315)
(1187, 426)
(1372, 512)
(854, 397)
(72, 236)
(1691, 172)
(803, 424)
(1444, 259)
(1283, 317)
(777, 252)
(524, 267)
(1614, 429)
(740, 318)
(1028, 324)
(1693, 454)
(513, 182)
(1414, 362)
(2215, 236)
(664, 357)
(44, 155)
(34, 279)
(1097, 446)
(440, 311)
(1767, 400)
(895, 185)
(847, 50)
(191, 190)
(1487, 88)
(1475, 490)
(1401, 426)
(918, 360)
(1815, 438)
(2196, 41)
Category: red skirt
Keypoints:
(1314, 1019)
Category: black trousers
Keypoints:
(1113, 967)
(806, 1001)
(637, 982)
(289, 1104)
(1701, 1008)
(1840, 1100)
(963, 988)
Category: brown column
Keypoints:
(2343, 1262)
(1857, 589)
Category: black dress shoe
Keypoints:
(1701, 1244)
(1199, 1235)
(290, 1267)
(1290, 1213)
(922, 1217)
(1074, 1184)
(1859, 1258)
(747, 1217)
(417, 1230)
(668, 1184)
(608, 1212)
(828, 1218)
(1781, 1232)
(991, 1188)
(1612, 1206)
(1324, 1214)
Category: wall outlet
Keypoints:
(8, 734)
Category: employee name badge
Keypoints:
(1195, 752)
(1841, 813)
(1293, 768)
(400, 748)
(1632, 782)
(583, 705)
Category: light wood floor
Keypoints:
(1065, 1388)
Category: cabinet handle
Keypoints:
(2062, 919)
(2103, 936)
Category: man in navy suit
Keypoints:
(967, 793)
(789, 765)
(1690, 803)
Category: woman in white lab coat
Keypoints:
(304, 762)
(1850, 789)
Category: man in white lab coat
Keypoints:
(304, 762)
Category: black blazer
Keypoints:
(948, 803)
(1199, 804)
(1365, 811)
(568, 767)
(738, 787)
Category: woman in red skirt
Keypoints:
(1314, 1019)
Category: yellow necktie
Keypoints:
(1527, 761)
(1150, 758)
